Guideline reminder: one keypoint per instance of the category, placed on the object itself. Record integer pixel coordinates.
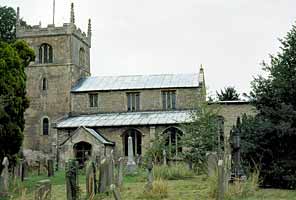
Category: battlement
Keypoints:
(52, 30)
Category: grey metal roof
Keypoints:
(127, 119)
(101, 83)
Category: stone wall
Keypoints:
(116, 101)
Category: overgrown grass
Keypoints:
(173, 172)
(159, 190)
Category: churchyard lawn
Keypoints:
(133, 188)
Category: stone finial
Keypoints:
(89, 28)
(72, 19)
(18, 16)
(201, 80)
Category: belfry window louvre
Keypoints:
(45, 54)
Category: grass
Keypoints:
(190, 188)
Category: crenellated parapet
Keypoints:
(51, 30)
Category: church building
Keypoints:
(75, 115)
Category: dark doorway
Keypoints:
(82, 152)
(173, 140)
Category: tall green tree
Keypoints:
(201, 134)
(7, 24)
(228, 94)
(13, 102)
(269, 138)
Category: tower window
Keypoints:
(133, 101)
(44, 84)
(81, 57)
(45, 54)
(169, 100)
(45, 126)
(93, 100)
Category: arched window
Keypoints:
(45, 126)
(82, 152)
(45, 53)
(137, 141)
(173, 140)
(81, 57)
(44, 84)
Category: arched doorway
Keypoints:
(137, 141)
(173, 140)
(82, 152)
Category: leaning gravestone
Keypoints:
(72, 180)
(91, 180)
(43, 190)
(103, 176)
(115, 191)
(119, 178)
(50, 168)
(4, 178)
(131, 165)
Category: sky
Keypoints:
(230, 38)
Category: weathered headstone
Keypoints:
(164, 157)
(115, 191)
(98, 161)
(212, 160)
(221, 186)
(50, 168)
(148, 186)
(103, 176)
(119, 178)
(72, 180)
(91, 188)
(4, 178)
(43, 190)
(131, 165)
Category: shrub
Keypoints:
(174, 172)
(159, 190)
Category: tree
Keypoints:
(13, 102)
(201, 134)
(269, 137)
(7, 24)
(229, 94)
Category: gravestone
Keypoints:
(131, 165)
(115, 191)
(91, 188)
(103, 176)
(43, 190)
(72, 180)
(98, 161)
(212, 161)
(164, 157)
(148, 186)
(50, 168)
(4, 178)
(119, 177)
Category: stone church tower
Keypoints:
(62, 58)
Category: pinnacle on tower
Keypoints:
(89, 28)
(18, 16)
(72, 19)
(201, 80)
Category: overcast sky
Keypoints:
(229, 37)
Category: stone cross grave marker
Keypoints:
(149, 183)
(4, 178)
(72, 180)
(131, 165)
(43, 190)
(91, 185)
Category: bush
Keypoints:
(174, 172)
(159, 190)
